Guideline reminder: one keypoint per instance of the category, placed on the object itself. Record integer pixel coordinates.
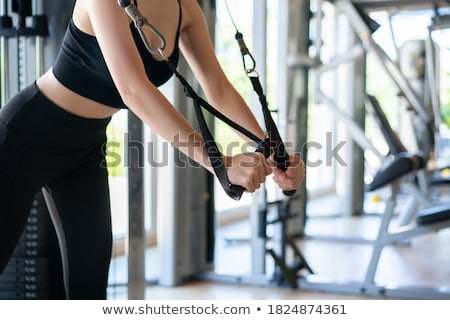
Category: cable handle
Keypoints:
(282, 162)
(281, 157)
(264, 147)
(234, 191)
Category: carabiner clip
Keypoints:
(252, 69)
(139, 22)
(245, 54)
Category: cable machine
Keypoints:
(265, 213)
(394, 174)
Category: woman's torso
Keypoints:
(158, 12)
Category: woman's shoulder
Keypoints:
(85, 11)
(192, 14)
(80, 18)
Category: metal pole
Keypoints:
(39, 41)
(4, 90)
(136, 215)
(258, 220)
(38, 9)
(364, 33)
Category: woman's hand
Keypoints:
(292, 177)
(248, 170)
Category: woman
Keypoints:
(52, 133)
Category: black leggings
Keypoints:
(41, 145)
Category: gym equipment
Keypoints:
(271, 143)
(401, 163)
(396, 160)
(299, 274)
(399, 171)
(34, 271)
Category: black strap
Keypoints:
(271, 142)
(281, 157)
(234, 191)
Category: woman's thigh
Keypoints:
(83, 219)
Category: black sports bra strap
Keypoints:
(180, 17)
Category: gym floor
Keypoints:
(337, 250)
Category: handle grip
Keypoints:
(289, 193)
(283, 164)
(235, 192)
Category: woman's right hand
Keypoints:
(248, 170)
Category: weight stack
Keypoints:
(35, 269)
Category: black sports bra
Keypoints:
(80, 65)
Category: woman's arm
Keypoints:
(111, 27)
(198, 50)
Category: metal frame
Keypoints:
(364, 33)
(183, 202)
(406, 226)
(291, 119)
(4, 54)
(385, 236)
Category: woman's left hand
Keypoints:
(292, 177)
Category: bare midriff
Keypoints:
(71, 101)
